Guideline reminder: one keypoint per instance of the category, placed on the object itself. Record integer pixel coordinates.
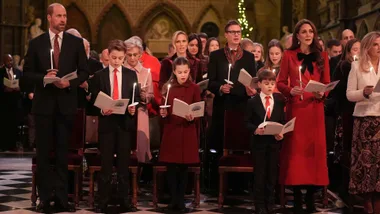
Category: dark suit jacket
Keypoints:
(218, 71)
(94, 66)
(101, 82)
(255, 113)
(47, 100)
(333, 63)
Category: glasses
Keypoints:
(234, 32)
(135, 55)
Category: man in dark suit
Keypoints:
(116, 131)
(227, 96)
(265, 148)
(54, 105)
(11, 105)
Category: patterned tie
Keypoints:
(115, 94)
(56, 51)
(267, 106)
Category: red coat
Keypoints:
(303, 154)
(180, 137)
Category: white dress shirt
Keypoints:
(10, 73)
(357, 81)
(264, 100)
(119, 82)
(52, 37)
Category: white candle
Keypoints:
(229, 72)
(51, 59)
(300, 73)
(167, 94)
(146, 79)
(274, 70)
(133, 93)
(354, 57)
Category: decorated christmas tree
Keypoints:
(245, 28)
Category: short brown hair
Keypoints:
(50, 9)
(230, 23)
(266, 75)
(116, 44)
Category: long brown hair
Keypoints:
(273, 43)
(346, 53)
(173, 78)
(315, 47)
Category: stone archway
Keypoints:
(78, 20)
(119, 29)
(363, 30)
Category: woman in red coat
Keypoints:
(303, 155)
(179, 146)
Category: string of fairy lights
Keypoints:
(245, 28)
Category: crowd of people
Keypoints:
(343, 121)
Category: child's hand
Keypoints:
(189, 117)
(279, 137)
(163, 112)
(107, 112)
(132, 110)
(259, 131)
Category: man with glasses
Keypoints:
(228, 96)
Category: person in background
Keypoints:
(180, 141)
(303, 160)
(267, 106)
(321, 43)
(180, 41)
(104, 58)
(204, 38)
(194, 49)
(347, 35)
(256, 49)
(94, 55)
(274, 56)
(289, 41)
(211, 45)
(134, 51)
(365, 156)
(344, 110)
(10, 108)
(334, 48)
(171, 50)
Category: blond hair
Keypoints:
(365, 45)
(175, 35)
(262, 50)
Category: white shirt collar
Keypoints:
(262, 96)
(112, 68)
(52, 35)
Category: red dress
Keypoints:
(303, 158)
(180, 137)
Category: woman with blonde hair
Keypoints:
(365, 152)
(134, 51)
(256, 49)
(180, 42)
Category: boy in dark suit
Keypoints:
(115, 131)
(265, 148)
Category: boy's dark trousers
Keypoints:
(116, 142)
(265, 159)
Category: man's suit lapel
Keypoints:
(107, 81)
(124, 84)
(259, 106)
(45, 48)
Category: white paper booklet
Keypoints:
(247, 80)
(273, 128)
(11, 83)
(180, 108)
(314, 86)
(70, 76)
(203, 85)
(103, 101)
(377, 87)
